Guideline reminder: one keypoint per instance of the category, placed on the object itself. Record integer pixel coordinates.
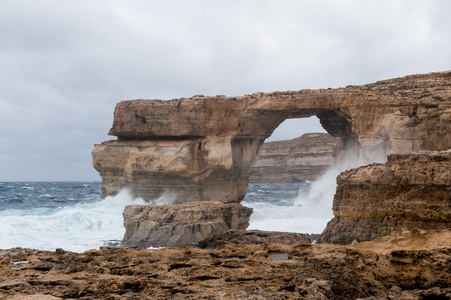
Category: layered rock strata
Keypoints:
(410, 191)
(202, 148)
(297, 160)
(185, 170)
(180, 224)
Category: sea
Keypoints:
(74, 216)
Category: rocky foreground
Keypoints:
(407, 266)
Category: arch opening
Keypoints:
(295, 127)
(293, 182)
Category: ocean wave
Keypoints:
(46, 196)
(75, 228)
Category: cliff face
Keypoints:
(181, 170)
(410, 191)
(303, 158)
(202, 148)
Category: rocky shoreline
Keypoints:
(390, 237)
(411, 265)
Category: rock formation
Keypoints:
(254, 237)
(180, 224)
(297, 160)
(410, 191)
(202, 148)
(409, 266)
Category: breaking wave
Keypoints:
(77, 228)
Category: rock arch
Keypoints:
(201, 148)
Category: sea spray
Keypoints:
(167, 197)
(302, 207)
(317, 203)
(75, 228)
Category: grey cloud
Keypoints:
(65, 64)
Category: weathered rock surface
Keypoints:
(297, 160)
(254, 237)
(202, 148)
(411, 191)
(180, 224)
(413, 266)
(187, 170)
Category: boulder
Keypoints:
(180, 224)
(409, 192)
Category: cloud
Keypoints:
(65, 64)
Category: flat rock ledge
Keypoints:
(254, 237)
(180, 225)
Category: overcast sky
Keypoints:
(65, 64)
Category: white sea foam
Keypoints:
(74, 228)
(285, 218)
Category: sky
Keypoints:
(64, 64)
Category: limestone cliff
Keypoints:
(202, 148)
(300, 159)
(185, 170)
(410, 191)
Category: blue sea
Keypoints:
(75, 217)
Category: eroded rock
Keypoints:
(410, 191)
(413, 266)
(180, 224)
(254, 237)
(202, 147)
(186, 170)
